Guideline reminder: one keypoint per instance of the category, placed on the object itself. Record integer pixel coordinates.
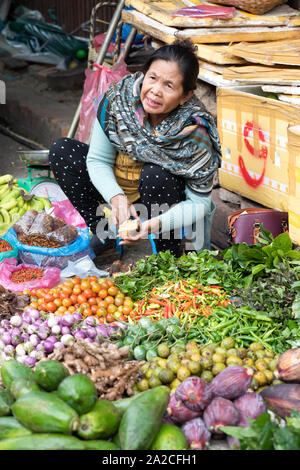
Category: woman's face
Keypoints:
(162, 90)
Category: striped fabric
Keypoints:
(185, 143)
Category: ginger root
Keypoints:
(105, 364)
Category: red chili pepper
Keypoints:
(26, 274)
(5, 246)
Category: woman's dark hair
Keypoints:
(183, 53)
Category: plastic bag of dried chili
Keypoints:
(12, 252)
(18, 278)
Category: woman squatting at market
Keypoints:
(153, 143)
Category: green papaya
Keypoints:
(43, 442)
(141, 421)
(116, 440)
(49, 374)
(23, 385)
(44, 412)
(79, 392)
(6, 400)
(101, 445)
(101, 422)
(169, 437)
(122, 404)
(10, 427)
(12, 369)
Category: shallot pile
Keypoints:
(31, 336)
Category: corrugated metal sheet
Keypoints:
(72, 14)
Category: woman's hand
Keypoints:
(122, 209)
(149, 226)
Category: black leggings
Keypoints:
(157, 186)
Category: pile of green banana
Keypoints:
(15, 201)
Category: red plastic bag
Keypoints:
(51, 276)
(95, 85)
(66, 211)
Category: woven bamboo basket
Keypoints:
(257, 7)
(96, 18)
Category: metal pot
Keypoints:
(34, 157)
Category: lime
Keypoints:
(227, 343)
(150, 354)
(166, 376)
(260, 353)
(183, 373)
(261, 364)
(220, 350)
(231, 352)
(269, 375)
(142, 385)
(174, 384)
(248, 361)
(218, 367)
(162, 362)
(206, 362)
(256, 346)
(174, 321)
(272, 364)
(154, 382)
(217, 357)
(195, 357)
(173, 364)
(139, 353)
(194, 367)
(145, 367)
(207, 376)
(241, 352)
(260, 377)
(234, 361)
(177, 350)
(163, 350)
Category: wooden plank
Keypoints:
(162, 10)
(219, 35)
(269, 53)
(167, 34)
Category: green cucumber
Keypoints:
(44, 412)
(12, 369)
(79, 392)
(49, 374)
(6, 400)
(141, 421)
(101, 445)
(101, 422)
(10, 427)
(43, 442)
(23, 385)
(169, 437)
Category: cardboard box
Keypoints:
(254, 137)
(294, 183)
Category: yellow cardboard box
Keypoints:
(294, 183)
(254, 137)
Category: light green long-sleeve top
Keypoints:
(196, 210)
